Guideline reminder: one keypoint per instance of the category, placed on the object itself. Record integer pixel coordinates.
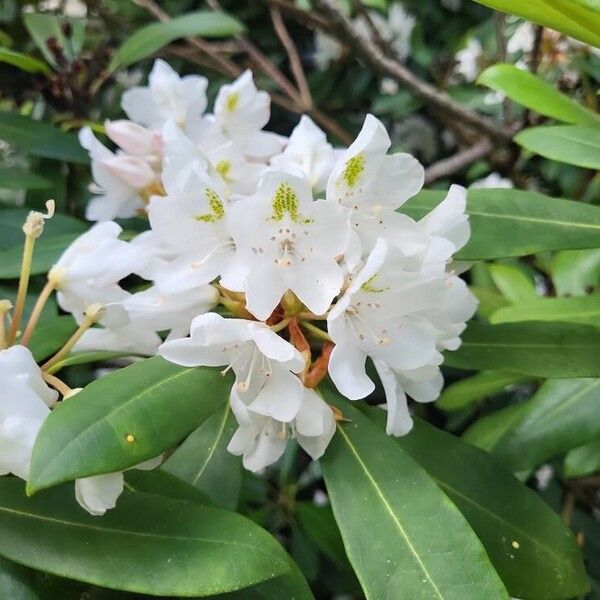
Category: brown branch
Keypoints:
(375, 57)
(309, 19)
(459, 161)
(293, 57)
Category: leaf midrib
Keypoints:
(106, 417)
(389, 509)
(215, 443)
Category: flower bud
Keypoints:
(131, 169)
(134, 138)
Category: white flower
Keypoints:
(468, 59)
(400, 318)
(241, 111)
(123, 182)
(401, 25)
(167, 96)
(100, 493)
(264, 363)
(327, 50)
(24, 406)
(372, 185)
(493, 180)
(262, 440)
(89, 270)
(191, 221)
(308, 150)
(127, 337)
(522, 40)
(287, 241)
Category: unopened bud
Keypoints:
(34, 224)
(5, 306)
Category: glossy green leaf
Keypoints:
(489, 301)
(538, 349)
(149, 39)
(11, 227)
(187, 549)
(514, 284)
(19, 179)
(89, 356)
(164, 484)
(571, 144)
(50, 336)
(40, 139)
(487, 431)
(533, 551)
(577, 18)
(403, 536)
(562, 415)
(47, 251)
(15, 582)
(319, 524)
(471, 389)
(506, 222)
(583, 309)
(203, 460)
(23, 61)
(41, 27)
(576, 272)
(123, 419)
(530, 91)
(583, 460)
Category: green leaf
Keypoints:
(489, 301)
(403, 536)
(538, 349)
(507, 222)
(583, 309)
(577, 18)
(514, 284)
(40, 139)
(50, 336)
(23, 61)
(19, 179)
(164, 484)
(545, 562)
(575, 272)
(471, 389)
(89, 356)
(41, 27)
(562, 415)
(571, 144)
(148, 544)
(149, 39)
(15, 582)
(12, 220)
(530, 91)
(319, 524)
(583, 460)
(203, 459)
(291, 585)
(486, 432)
(47, 251)
(153, 401)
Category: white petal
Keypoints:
(281, 397)
(99, 493)
(399, 421)
(347, 369)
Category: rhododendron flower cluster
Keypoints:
(284, 260)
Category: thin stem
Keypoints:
(293, 57)
(3, 342)
(23, 286)
(87, 323)
(57, 384)
(37, 312)
(377, 59)
(457, 162)
(281, 325)
(318, 333)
